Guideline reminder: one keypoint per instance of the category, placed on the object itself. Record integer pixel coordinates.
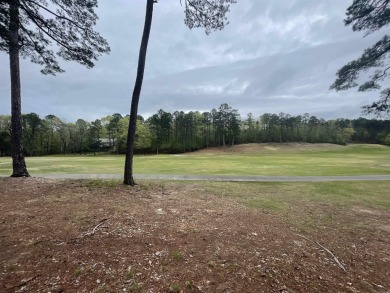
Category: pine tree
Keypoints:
(369, 16)
(29, 28)
(209, 14)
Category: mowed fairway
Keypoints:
(252, 159)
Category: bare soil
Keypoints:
(86, 236)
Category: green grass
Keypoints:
(176, 255)
(307, 161)
(308, 205)
(279, 196)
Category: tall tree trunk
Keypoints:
(223, 137)
(18, 162)
(128, 174)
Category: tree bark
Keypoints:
(128, 174)
(18, 162)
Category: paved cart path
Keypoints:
(230, 178)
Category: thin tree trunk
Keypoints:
(223, 137)
(18, 162)
(128, 174)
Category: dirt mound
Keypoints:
(270, 147)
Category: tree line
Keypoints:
(30, 28)
(178, 132)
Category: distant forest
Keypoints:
(179, 132)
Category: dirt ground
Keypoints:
(86, 236)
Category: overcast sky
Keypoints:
(274, 56)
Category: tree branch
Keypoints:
(326, 249)
(382, 75)
(370, 58)
(55, 14)
(202, 18)
(48, 28)
(30, 37)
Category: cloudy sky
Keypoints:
(274, 56)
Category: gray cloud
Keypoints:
(295, 83)
(274, 56)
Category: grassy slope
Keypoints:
(259, 160)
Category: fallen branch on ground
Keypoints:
(334, 257)
(95, 228)
(74, 240)
(326, 249)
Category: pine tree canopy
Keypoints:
(208, 14)
(66, 25)
(369, 16)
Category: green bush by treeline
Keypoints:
(179, 132)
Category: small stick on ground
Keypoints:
(23, 283)
(324, 248)
(96, 227)
(334, 257)
(75, 240)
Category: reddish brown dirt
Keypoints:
(75, 236)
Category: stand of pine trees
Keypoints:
(179, 132)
